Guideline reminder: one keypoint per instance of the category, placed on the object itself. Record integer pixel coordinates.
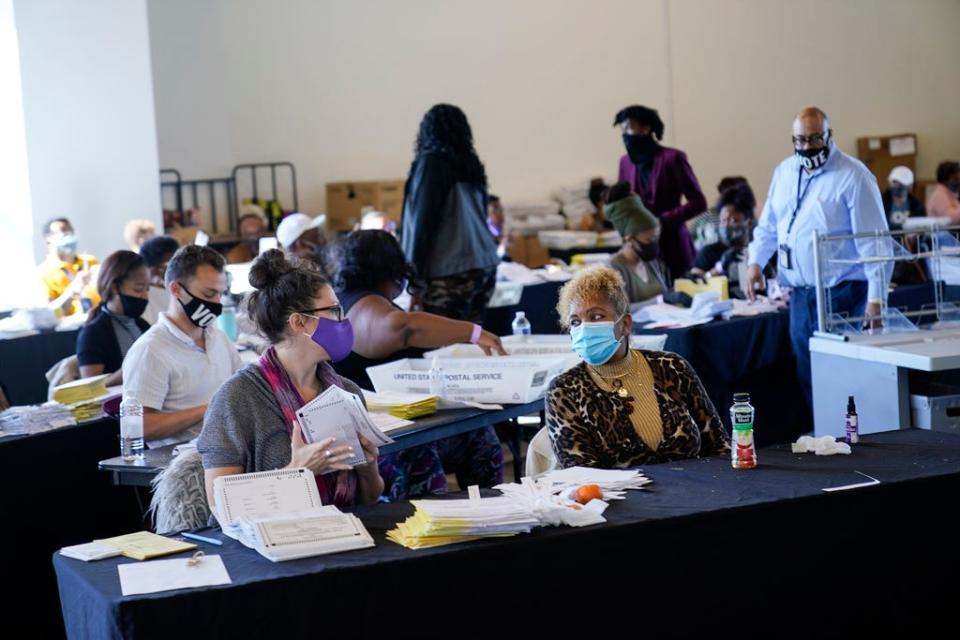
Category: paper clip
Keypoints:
(195, 559)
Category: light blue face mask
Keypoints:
(595, 342)
(66, 245)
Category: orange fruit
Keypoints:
(586, 493)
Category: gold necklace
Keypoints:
(615, 381)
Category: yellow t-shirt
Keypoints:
(56, 275)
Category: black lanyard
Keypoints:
(800, 196)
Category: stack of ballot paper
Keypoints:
(34, 419)
(387, 422)
(82, 390)
(90, 551)
(340, 415)
(552, 509)
(400, 404)
(279, 514)
(91, 409)
(547, 501)
(613, 482)
(439, 522)
(84, 411)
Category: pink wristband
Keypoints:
(475, 336)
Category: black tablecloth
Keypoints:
(751, 355)
(24, 363)
(538, 302)
(748, 553)
(53, 495)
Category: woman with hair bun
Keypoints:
(250, 424)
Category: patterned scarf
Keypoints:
(338, 488)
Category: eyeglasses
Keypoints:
(813, 138)
(334, 310)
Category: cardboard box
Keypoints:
(500, 380)
(527, 250)
(882, 153)
(346, 200)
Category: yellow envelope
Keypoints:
(144, 545)
(720, 284)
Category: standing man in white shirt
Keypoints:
(175, 368)
(820, 188)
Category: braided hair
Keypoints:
(444, 130)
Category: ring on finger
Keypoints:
(327, 453)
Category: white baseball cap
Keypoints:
(901, 174)
(295, 225)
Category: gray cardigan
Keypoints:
(244, 425)
(638, 290)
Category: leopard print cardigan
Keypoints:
(591, 427)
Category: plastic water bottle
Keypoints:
(521, 326)
(437, 379)
(227, 320)
(131, 429)
(743, 454)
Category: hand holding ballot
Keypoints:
(319, 457)
(333, 432)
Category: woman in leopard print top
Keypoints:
(629, 407)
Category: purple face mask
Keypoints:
(336, 338)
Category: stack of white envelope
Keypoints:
(613, 482)
(552, 509)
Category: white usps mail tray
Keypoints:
(535, 345)
(542, 344)
(494, 380)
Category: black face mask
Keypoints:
(200, 312)
(647, 251)
(133, 307)
(732, 235)
(954, 186)
(898, 191)
(813, 158)
(640, 148)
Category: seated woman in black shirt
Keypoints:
(114, 325)
(736, 210)
(371, 271)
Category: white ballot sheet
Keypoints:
(339, 414)
(387, 423)
(251, 495)
(176, 573)
(280, 540)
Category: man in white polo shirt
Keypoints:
(175, 368)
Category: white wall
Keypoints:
(89, 116)
(339, 88)
(15, 211)
(743, 68)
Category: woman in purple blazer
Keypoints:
(660, 176)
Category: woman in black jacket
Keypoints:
(444, 233)
(115, 324)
